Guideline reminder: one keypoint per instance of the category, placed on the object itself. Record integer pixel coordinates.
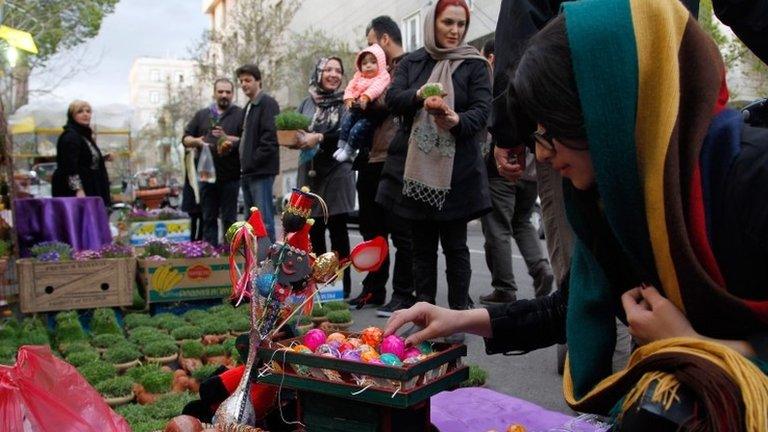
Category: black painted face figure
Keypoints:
(294, 268)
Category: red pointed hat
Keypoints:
(300, 239)
(300, 202)
(257, 223)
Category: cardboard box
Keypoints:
(176, 230)
(181, 279)
(331, 292)
(54, 286)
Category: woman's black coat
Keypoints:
(74, 157)
(469, 196)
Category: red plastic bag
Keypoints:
(42, 393)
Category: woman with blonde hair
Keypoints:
(80, 169)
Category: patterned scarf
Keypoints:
(429, 164)
(648, 147)
(328, 106)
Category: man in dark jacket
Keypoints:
(259, 154)
(218, 126)
(374, 219)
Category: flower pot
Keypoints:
(162, 360)
(338, 327)
(189, 364)
(117, 401)
(287, 137)
(319, 320)
(125, 366)
(215, 339)
(222, 360)
(152, 198)
(238, 333)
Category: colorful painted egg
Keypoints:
(302, 349)
(346, 346)
(314, 338)
(365, 348)
(264, 283)
(333, 344)
(369, 356)
(412, 352)
(327, 350)
(355, 342)
(352, 355)
(425, 348)
(372, 336)
(375, 361)
(337, 337)
(394, 345)
(390, 360)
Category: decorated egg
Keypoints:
(390, 360)
(375, 361)
(411, 360)
(394, 345)
(333, 344)
(369, 356)
(365, 348)
(353, 355)
(327, 350)
(302, 349)
(325, 267)
(264, 283)
(337, 337)
(314, 338)
(346, 346)
(355, 342)
(412, 352)
(425, 348)
(232, 230)
(372, 336)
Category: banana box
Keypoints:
(176, 230)
(183, 279)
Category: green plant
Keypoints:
(145, 335)
(432, 89)
(66, 316)
(336, 305)
(160, 349)
(107, 340)
(115, 387)
(195, 315)
(292, 120)
(215, 350)
(32, 323)
(70, 331)
(51, 251)
(150, 425)
(139, 302)
(133, 413)
(135, 320)
(122, 353)
(168, 321)
(97, 371)
(104, 321)
(5, 248)
(234, 356)
(340, 316)
(168, 406)
(204, 372)
(187, 332)
(157, 382)
(319, 312)
(136, 373)
(230, 343)
(214, 326)
(477, 377)
(240, 324)
(34, 337)
(68, 347)
(9, 328)
(192, 349)
(80, 358)
(7, 354)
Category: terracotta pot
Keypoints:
(338, 327)
(116, 401)
(125, 366)
(162, 360)
(287, 137)
(152, 198)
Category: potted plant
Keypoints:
(80, 358)
(34, 337)
(214, 330)
(69, 331)
(319, 315)
(79, 345)
(51, 251)
(239, 325)
(191, 357)
(303, 323)
(201, 374)
(65, 316)
(8, 354)
(116, 391)
(5, 252)
(477, 377)
(162, 352)
(144, 335)
(151, 385)
(123, 355)
(195, 315)
(186, 333)
(339, 320)
(336, 305)
(97, 371)
(103, 341)
(135, 320)
(288, 124)
(216, 354)
(433, 94)
(167, 321)
(139, 371)
(104, 321)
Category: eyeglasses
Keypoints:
(546, 140)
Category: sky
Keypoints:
(137, 28)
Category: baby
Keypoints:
(370, 80)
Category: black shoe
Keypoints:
(394, 305)
(497, 297)
(367, 299)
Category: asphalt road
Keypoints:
(532, 376)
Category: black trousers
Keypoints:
(452, 236)
(377, 221)
(337, 228)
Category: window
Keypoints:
(470, 3)
(412, 32)
(154, 97)
(154, 75)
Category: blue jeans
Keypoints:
(356, 130)
(218, 200)
(257, 191)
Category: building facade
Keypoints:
(149, 82)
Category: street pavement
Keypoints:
(532, 376)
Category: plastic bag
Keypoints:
(42, 393)
(206, 171)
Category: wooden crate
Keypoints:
(54, 286)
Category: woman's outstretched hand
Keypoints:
(438, 322)
(652, 317)
(448, 120)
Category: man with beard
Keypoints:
(218, 126)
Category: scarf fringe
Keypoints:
(420, 191)
(665, 392)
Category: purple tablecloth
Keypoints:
(481, 410)
(81, 222)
